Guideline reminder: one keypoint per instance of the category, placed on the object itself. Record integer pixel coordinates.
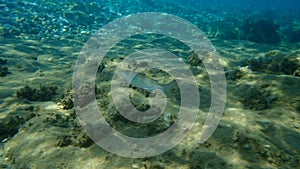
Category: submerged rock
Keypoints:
(295, 32)
(3, 71)
(43, 93)
(261, 30)
(274, 62)
(3, 61)
(234, 74)
(225, 29)
(10, 124)
(254, 97)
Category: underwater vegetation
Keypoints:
(40, 40)
(234, 74)
(274, 62)
(261, 30)
(3, 69)
(256, 99)
(295, 32)
(43, 93)
(255, 29)
(66, 102)
(76, 137)
(10, 125)
(225, 29)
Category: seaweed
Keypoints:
(67, 103)
(295, 32)
(43, 93)
(10, 125)
(295, 36)
(3, 71)
(194, 60)
(273, 62)
(63, 141)
(3, 61)
(78, 137)
(234, 74)
(261, 30)
(255, 99)
(225, 29)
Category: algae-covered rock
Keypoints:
(295, 32)
(255, 100)
(234, 74)
(3, 71)
(139, 101)
(194, 60)
(43, 93)
(67, 101)
(225, 29)
(254, 97)
(261, 30)
(10, 124)
(3, 61)
(82, 140)
(84, 94)
(63, 141)
(78, 139)
(274, 62)
(206, 160)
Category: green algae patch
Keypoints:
(43, 93)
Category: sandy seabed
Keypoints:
(259, 129)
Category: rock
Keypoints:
(67, 103)
(274, 62)
(295, 34)
(81, 140)
(234, 74)
(3, 61)
(3, 71)
(43, 93)
(194, 60)
(253, 97)
(157, 165)
(10, 124)
(206, 160)
(225, 29)
(63, 141)
(1, 31)
(135, 166)
(261, 30)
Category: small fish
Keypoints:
(142, 81)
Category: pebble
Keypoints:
(247, 146)
(135, 166)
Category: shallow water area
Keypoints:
(258, 46)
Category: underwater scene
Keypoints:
(150, 84)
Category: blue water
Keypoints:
(255, 4)
(52, 19)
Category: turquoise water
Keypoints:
(236, 66)
(68, 19)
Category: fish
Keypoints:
(140, 80)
